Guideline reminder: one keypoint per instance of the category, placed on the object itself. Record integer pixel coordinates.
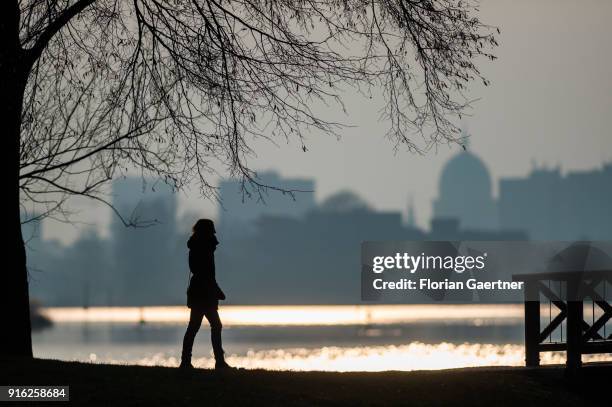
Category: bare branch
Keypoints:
(180, 90)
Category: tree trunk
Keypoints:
(16, 338)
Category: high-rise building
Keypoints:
(240, 208)
(551, 205)
(147, 265)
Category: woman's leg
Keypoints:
(215, 333)
(195, 320)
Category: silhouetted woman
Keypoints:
(203, 294)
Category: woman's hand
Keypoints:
(220, 293)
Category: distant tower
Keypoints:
(410, 216)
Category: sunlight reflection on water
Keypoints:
(415, 356)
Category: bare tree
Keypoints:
(94, 88)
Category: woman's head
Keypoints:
(204, 227)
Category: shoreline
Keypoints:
(100, 384)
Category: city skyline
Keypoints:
(302, 234)
(101, 224)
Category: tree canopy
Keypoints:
(174, 88)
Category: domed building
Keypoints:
(465, 193)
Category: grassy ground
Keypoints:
(96, 384)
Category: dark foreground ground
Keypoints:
(107, 385)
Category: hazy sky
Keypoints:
(550, 102)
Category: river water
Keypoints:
(331, 338)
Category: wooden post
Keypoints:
(532, 324)
(574, 335)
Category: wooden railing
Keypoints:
(569, 293)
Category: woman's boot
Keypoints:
(186, 360)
